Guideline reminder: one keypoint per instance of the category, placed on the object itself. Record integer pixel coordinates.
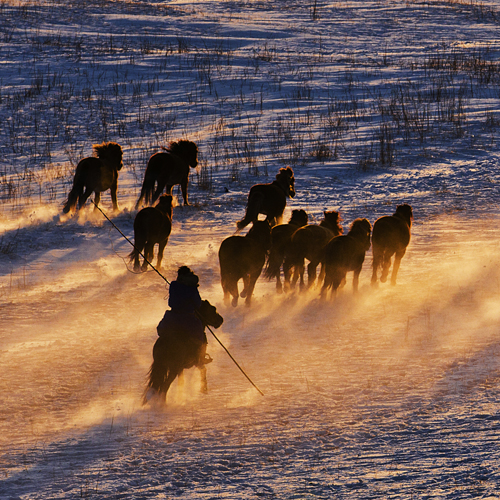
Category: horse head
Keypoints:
(361, 230)
(332, 220)
(261, 232)
(165, 204)
(187, 150)
(405, 212)
(209, 315)
(286, 180)
(299, 218)
(110, 153)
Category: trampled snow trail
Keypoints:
(391, 391)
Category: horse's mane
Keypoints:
(405, 212)
(299, 217)
(178, 147)
(107, 150)
(284, 172)
(360, 228)
(332, 219)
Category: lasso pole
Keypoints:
(168, 282)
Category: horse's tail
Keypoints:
(133, 255)
(253, 209)
(76, 190)
(155, 381)
(274, 262)
(147, 189)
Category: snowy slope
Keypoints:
(392, 393)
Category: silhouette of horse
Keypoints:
(346, 253)
(96, 174)
(308, 242)
(269, 199)
(173, 353)
(391, 235)
(281, 236)
(243, 257)
(152, 225)
(168, 168)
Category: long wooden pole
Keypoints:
(168, 282)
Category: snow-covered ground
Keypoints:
(392, 393)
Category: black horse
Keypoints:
(152, 225)
(281, 236)
(269, 199)
(173, 353)
(308, 242)
(391, 235)
(243, 257)
(168, 168)
(96, 174)
(346, 253)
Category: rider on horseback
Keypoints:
(182, 319)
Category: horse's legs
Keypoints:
(376, 251)
(251, 280)
(301, 270)
(326, 285)
(355, 279)
(397, 262)
(203, 374)
(159, 189)
(298, 272)
(139, 243)
(148, 254)
(114, 200)
(97, 199)
(287, 273)
(246, 284)
(386, 264)
(311, 273)
(279, 286)
(230, 287)
(161, 248)
(172, 375)
(84, 196)
(184, 190)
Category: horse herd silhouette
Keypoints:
(269, 245)
(284, 247)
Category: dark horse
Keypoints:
(168, 168)
(173, 353)
(269, 199)
(308, 242)
(96, 174)
(243, 257)
(281, 236)
(152, 225)
(391, 235)
(346, 253)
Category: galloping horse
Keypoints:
(96, 174)
(168, 168)
(346, 253)
(152, 225)
(173, 353)
(281, 236)
(269, 199)
(243, 257)
(391, 235)
(308, 242)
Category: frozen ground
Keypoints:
(390, 394)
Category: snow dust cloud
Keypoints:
(77, 337)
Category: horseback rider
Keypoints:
(182, 318)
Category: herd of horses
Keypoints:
(279, 249)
